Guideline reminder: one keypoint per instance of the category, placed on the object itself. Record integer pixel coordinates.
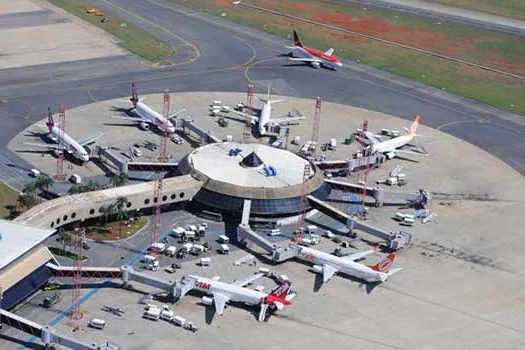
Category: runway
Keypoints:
(217, 55)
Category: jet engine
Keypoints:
(317, 268)
(253, 121)
(390, 155)
(57, 152)
(144, 126)
(316, 65)
(207, 301)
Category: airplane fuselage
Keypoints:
(264, 117)
(70, 144)
(235, 293)
(346, 266)
(328, 60)
(147, 113)
(393, 144)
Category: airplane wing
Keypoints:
(305, 59)
(90, 139)
(173, 115)
(328, 272)
(286, 119)
(220, 301)
(360, 255)
(131, 118)
(44, 145)
(248, 280)
(401, 151)
(329, 52)
(370, 137)
(245, 115)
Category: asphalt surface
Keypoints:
(450, 14)
(216, 55)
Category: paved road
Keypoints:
(220, 56)
(451, 13)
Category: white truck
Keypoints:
(153, 313)
(332, 145)
(224, 249)
(178, 232)
(171, 251)
(197, 249)
(205, 262)
(223, 239)
(158, 247)
(311, 229)
(179, 321)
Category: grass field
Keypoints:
(8, 199)
(109, 230)
(507, 8)
(472, 44)
(133, 38)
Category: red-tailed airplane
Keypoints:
(311, 56)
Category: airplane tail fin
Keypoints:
(281, 291)
(384, 264)
(134, 95)
(296, 39)
(414, 126)
(267, 100)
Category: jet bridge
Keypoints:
(395, 240)
(187, 124)
(382, 196)
(47, 334)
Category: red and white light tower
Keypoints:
(163, 157)
(303, 204)
(248, 109)
(80, 236)
(60, 175)
(315, 127)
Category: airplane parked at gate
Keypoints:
(223, 293)
(147, 116)
(264, 120)
(327, 265)
(69, 144)
(311, 56)
(391, 147)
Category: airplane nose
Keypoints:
(171, 129)
(339, 64)
(85, 157)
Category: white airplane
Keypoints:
(69, 144)
(329, 264)
(264, 120)
(391, 147)
(148, 116)
(223, 293)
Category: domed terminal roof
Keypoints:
(251, 160)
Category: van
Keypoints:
(296, 140)
(197, 249)
(202, 230)
(158, 247)
(191, 228)
(333, 144)
(177, 232)
(179, 321)
(328, 234)
(153, 313)
(205, 262)
(136, 152)
(75, 178)
(306, 242)
(224, 249)
(311, 229)
(34, 172)
(171, 251)
(167, 315)
(228, 138)
(264, 270)
(189, 235)
(283, 278)
(187, 247)
(97, 323)
(224, 239)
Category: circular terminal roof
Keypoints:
(250, 170)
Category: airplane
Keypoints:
(391, 147)
(70, 145)
(223, 293)
(148, 116)
(311, 56)
(265, 120)
(328, 265)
